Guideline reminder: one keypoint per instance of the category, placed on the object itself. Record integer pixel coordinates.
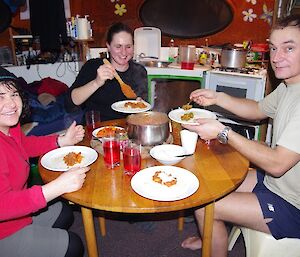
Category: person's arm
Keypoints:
(67, 182)
(80, 94)
(241, 107)
(276, 161)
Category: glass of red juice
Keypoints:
(111, 151)
(92, 121)
(132, 157)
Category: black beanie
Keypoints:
(6, 75)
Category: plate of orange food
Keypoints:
(131, 106)
(65, 158)
(165, 183)
(107, 131)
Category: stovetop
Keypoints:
(241, 71)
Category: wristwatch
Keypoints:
(223, 135)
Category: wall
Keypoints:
(252, 20)
(64, 72)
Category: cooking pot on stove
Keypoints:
(233, 57)
(150, 128)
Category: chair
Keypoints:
(260, 244)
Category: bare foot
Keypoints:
(192, 243)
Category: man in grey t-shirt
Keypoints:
(268, 200)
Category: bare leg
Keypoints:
(240, 207)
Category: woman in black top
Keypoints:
(95, 87)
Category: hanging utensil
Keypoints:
(126, 89)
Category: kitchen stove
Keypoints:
(244, 83)
(252, 72)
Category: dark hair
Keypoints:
(288, 21)
(10, 84)
(116, 28)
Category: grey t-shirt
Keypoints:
(283, 106)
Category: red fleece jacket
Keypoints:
(17, 202)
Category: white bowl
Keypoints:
(166, 153)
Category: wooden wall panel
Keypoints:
(103, 14)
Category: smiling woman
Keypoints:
(187, 19)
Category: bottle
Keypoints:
(171, 51)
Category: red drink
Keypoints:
(187, 65)
(132, 160)
(111, 153)
(91, 127)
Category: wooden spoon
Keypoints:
(126, 89)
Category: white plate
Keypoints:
(175, 115)
(119, 107)
(95, 131)
(54, 160)
(187, 184)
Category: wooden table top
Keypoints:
(219, 168)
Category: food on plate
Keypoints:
(73, 158)
(109, 130)
(164, 178)
(134, 105)
(187, 106)
(187, 116)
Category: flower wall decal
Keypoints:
(120, 9)
(249, 15)
(267, 14)
(251, 1)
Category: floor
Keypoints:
(130, 236)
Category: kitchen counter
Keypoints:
(174, 70)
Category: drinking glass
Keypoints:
(111, 151)
(132, 157)
(92, 121)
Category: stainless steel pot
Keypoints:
(150, 128)
(233, 57)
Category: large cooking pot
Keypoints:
(150, 128)
(233, 57)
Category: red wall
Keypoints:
(103, 14)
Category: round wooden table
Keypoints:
(219, 168)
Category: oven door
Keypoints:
(237, 85)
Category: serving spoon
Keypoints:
(126, 89)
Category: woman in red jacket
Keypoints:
(29, 227)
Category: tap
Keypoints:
(142, 56)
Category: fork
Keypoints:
(187, 106)
(126, 89)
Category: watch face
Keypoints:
(222, 138)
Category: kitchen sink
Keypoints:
(156, 64)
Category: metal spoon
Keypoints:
(184, 155)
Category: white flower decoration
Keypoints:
(114, 1)
(251, 1)
(249, 15)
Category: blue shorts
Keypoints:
(285, 216)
